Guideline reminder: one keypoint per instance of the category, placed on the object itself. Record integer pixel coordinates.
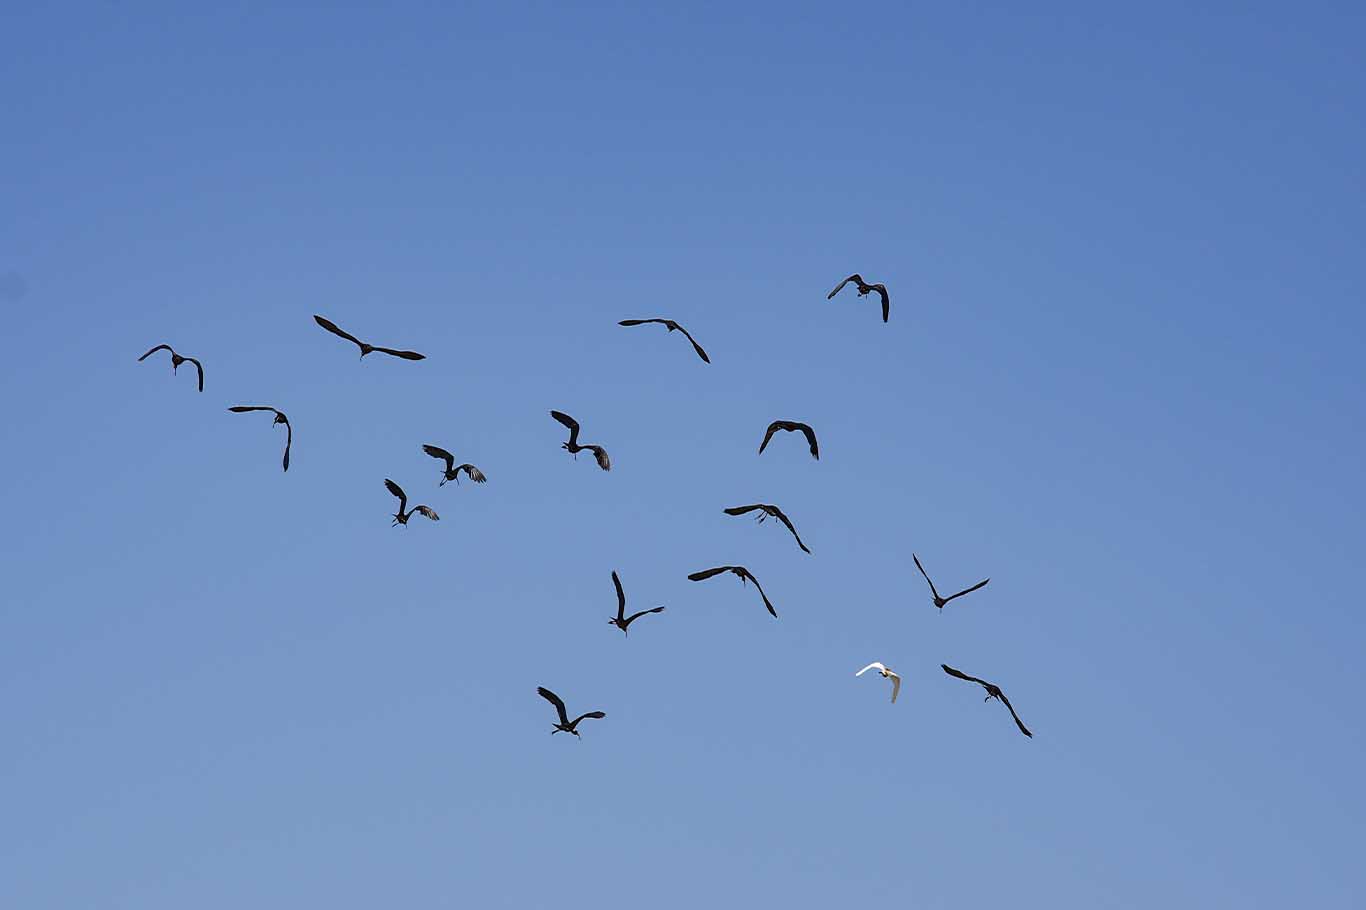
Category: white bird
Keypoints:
(885, 674)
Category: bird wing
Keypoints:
(695, 346)
(640, 321)
(741, 510)
(886, 304)
(745, 573)
(472, 472)
(967, 590)
(160, 347)
(335, 330)
(554, 700)
(621, 596)
(875, 665)
(428, 511)
(634, 616)
(570, 422)
(200, 367)
(927, 577)
(783, 518)
(811, 440)
(438, 452)
(839, 287)
(244, 408)
(773, 427)
(596, 715)
(896, 685)
(708, 573)
(289, 441)
(406, 355)
(397, 491)
(1019, 723)
(600, 455)
(961, 675)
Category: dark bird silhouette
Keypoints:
(622, 621)
(672, 326)
(992, 692)
(565, 725)
(744, 575)
(765, 511)
(863, 289)
(403, 514)
(279, 418)
(573, 447)
(365, 347)
(790, 426)
(453, 470)
(940, 601)
(176, 361)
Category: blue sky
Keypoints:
(1122, 377)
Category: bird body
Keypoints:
(621, 620)
(176, 361)
(769, 511)
(565, 725)
(885, 673)
(864, 288)
(574, 448)
(792, 426)
(403, 514)
(993, 691)
(365, 346)
(940, 601)
(279, 418)
(743, 574)
(672, 327)
(453, 470)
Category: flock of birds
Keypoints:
(622, 621)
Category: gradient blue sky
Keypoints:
(1123, 377)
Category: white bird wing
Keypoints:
(896, 685)
(875, 665)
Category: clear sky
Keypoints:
(1123, 377)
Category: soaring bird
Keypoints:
(790, 426)
(622, 621)
(279, 418)
(452, 471)
(365, 347)
(401, 516)
(176, 361)
(765, 511)
(885, 673)
(672, 326)
(573, 447)
(744, 575)
(940, 601)
(992, 692)
(863, 289)
(565, 725)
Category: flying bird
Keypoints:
(790, 426)
(279, 418)
(744, 575)
(565, 725)
(992, 692)
(365, 347)
(940, 601)
(863, 289)
(452, 471)
(573, 447)
(403, 514)
(765, 511)
(885, 673)
(672, 326)
(622, 621)
(176, 361)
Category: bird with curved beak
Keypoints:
(621, 620)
